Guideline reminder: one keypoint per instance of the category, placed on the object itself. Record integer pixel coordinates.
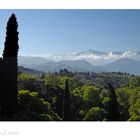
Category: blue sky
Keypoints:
(44, 32)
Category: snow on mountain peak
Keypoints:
(96, 57)
(90, 52)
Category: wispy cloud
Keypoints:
(96, 58)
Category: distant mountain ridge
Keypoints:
(88, 52)
(96, 57)
(123, 65)
(89, 60)
(29, 71)
(78, 65)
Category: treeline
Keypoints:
(88, 102)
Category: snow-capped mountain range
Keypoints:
(90, 60)
(96, 58)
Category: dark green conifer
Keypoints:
(113, 105)
(10, 69)
(11, 43)
(67, 103)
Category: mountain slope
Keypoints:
(88, 52)
(90, 60)
(79, 65)
(96, 57)
(123, 65)
(29, 71)
(31, 60)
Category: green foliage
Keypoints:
(105, 103)
(91, 96)
(128, 96)
(67, 103)
(134, 81)
(25, 77)
(77, 107)
(54, 95)
(95, 114)
(73, 82)
(84, 96)
(52, 79)
(134, 96)
(78, 91)
(58, 80)
(123, 95)
(104, 93)
(88, 102)
(134, 111)
(34, 108)
(113, 112)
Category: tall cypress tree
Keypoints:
(10, 69)
(11, 44)
(113, 105)
(67, 103)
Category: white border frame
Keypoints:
(70, 130)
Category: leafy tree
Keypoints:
(104, 93)
(123, 95)
(127, 97)
(54, 95)
(134, 111)
(134, 81)
(95, 114)
(106, 103)
(78, 92)
(25, 77)
(77, 107)
(134, 96)
(52, 79)
(73, 82)
(91, 96)
(34, 108)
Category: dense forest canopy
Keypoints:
(89, 101)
